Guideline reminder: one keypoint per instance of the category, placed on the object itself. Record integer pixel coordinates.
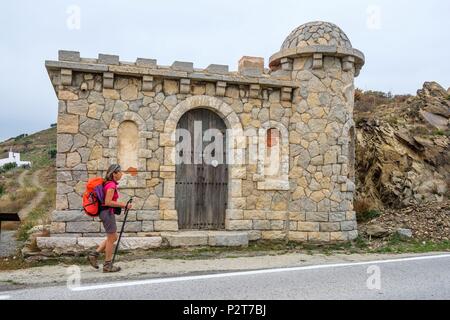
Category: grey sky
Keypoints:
(410, 46)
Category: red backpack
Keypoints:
(94, 196)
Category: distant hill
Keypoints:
(37, 148)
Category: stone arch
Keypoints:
(280, 182)
(127, 144)
(130, 116)
(224, 110)
(237, 171)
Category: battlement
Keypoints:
(105, 63)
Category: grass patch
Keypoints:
(439, 133)
(367, 215)
(398, 245)
(366, 210)
(15, 201)
(39, 216)
(10, 264)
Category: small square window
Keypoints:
(273, 136)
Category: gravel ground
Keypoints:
(430, 222)
(8, 243)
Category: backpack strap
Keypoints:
(102, 207)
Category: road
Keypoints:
(421, 277)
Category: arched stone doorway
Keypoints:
(236, 150)
(201, 187)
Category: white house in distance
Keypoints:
(14, 158)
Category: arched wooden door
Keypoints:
(201, 190)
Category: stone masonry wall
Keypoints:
(322, 199)
(87, 118)
(307, 96)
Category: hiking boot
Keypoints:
(93, 259)
(109, 268)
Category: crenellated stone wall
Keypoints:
(307, 95)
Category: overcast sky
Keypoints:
(406, 42)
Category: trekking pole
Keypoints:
(121, 231)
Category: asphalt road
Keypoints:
(424, 277)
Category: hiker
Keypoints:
(108, 213)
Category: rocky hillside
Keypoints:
(402, 151)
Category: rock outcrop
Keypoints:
(403, 150)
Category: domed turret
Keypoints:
(319, 38)
(317, 33)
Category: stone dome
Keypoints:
(317, 33)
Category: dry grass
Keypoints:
(14, 202)
(363, 205)
(365, 209)
(41, 215)
(47, 177)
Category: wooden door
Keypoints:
(201, 189)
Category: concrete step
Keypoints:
(80, 244)
(206, 238)
(61, 245)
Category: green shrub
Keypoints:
(2, 189)
(439, 133)
(9, 166)
(20, 137)
(52, 153)
(368, 215)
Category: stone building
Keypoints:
(300, 109)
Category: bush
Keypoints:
(369, 100)
(363, 205)
(368, 215)
(365, 210)
(9, 166)
(21, 136)
(52, 153)
(2, 189)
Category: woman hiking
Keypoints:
(108, 217)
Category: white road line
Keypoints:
(5, 297)
(246, 273)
